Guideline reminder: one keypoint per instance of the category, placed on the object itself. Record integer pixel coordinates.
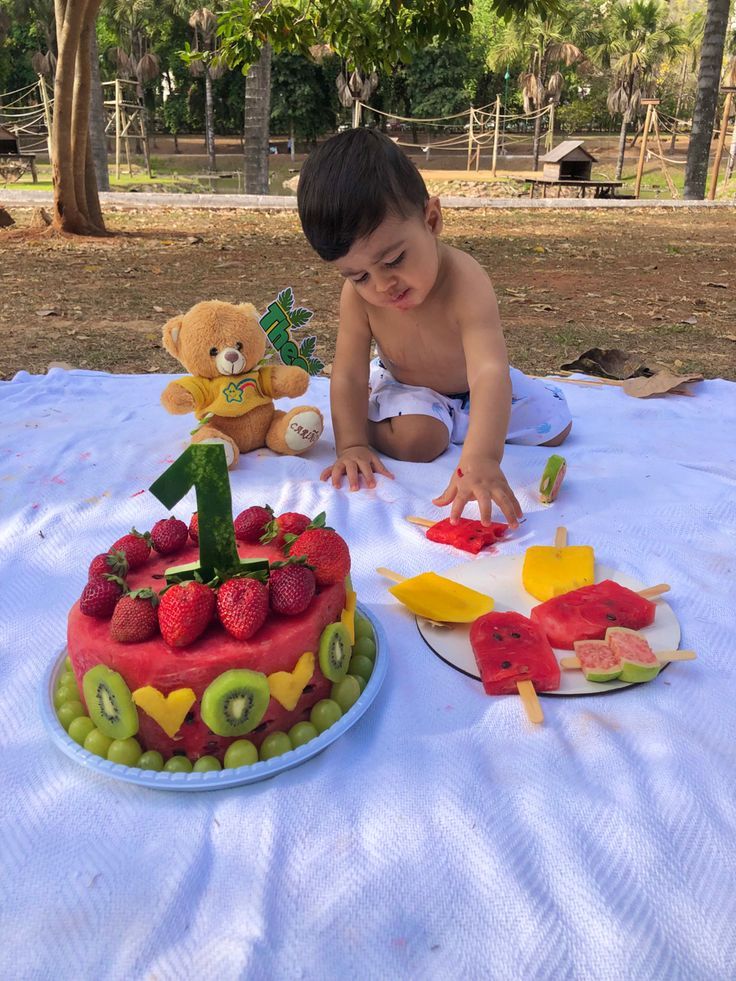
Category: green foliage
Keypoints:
(442, 78)
(369, 34)
(301, 97)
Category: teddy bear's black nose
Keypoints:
(231, 356)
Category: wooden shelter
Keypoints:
(13, 162)
(568, 161)
(8, 143)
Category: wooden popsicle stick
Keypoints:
(530, 702)
(651, 592)
(664, 657)
(390, 574)
(424, 522)
(561, 538)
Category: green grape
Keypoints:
(70, 711)
(363, 628)
(207, 764)
(240, 753)
(325, 714)
(65, 693)
(152, 760)
(360, 679)
(365, 647)
(275, 744)
(127, 752)
(68, 663)
(346, 692)
(362, 665)
(80, 728)
(97, 742)
(67, 679)
(178, 764)
(302, 733)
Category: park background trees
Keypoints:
(251, 66)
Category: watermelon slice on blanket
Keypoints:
(587, 613)
(467, 534)
(508, 649)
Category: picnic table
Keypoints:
(443, 836)
(600, 188)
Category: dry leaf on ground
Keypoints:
(659, 383)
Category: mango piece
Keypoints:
(168, 710)
(550, 571)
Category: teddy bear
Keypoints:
(230, 392)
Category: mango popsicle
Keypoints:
(552, 570)
(437, 598)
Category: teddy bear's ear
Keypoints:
(171, 335)
(249, 310)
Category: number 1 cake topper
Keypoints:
(203, 466)
(280, 318)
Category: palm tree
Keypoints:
(706, 100)
(543, 45)
(693, 31)
(204, 24)
(636, 38)
(256, 123)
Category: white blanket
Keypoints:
(442, 836)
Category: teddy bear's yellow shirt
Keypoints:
(229, 395)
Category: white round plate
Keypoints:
(219, 779)
(500, 577)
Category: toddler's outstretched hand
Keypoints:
(480, 480)
(356, 462)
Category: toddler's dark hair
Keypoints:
(350, 184)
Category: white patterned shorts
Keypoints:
(539, 411)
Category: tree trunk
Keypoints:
(76, 202)
(97, 120)
(621, 149)
(537, 131)
(706, 101)
(680, 96)
(256, 128)
(731, 154)
(209, 122)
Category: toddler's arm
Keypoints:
(349, 398)
(479, 476)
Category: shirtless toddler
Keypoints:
(442, 373)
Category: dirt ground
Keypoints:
(658, 283)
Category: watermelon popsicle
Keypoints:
(587, 613)
(438, 599)
(513, 655)
(550, 570)
(468, 534)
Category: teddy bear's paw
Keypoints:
(231, 452)
(296, 431)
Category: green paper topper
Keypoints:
(282, 316)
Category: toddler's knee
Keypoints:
(560, 438)
(423, 446)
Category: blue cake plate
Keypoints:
(220, 779)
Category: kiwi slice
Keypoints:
(235, 702)
(109, 703)
(334, 651)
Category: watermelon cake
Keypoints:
(183, 657)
